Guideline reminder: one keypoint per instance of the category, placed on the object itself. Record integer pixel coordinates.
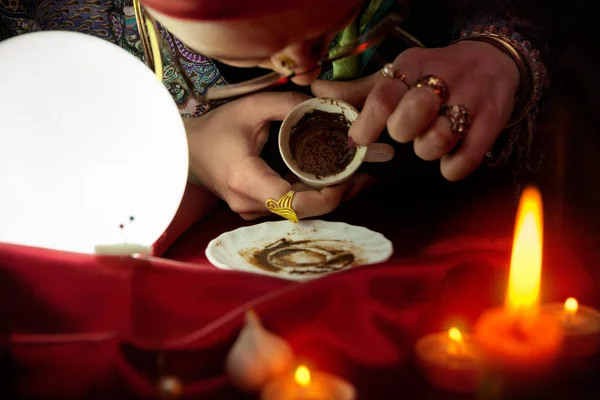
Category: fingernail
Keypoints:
(351, 142)
(347, 191)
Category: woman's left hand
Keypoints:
(478, 76)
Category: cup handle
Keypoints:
(379, 152)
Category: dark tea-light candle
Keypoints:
(449, 360)
(306, 385)
(581, 327)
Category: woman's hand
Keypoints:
(478, 75)
(225, 146)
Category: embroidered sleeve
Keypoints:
(527, 18)
(524, 25)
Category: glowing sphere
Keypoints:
(93, 151)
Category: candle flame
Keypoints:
(526, 262)
(455, 335)
(302, 375)
(455, 347)
(571, 306)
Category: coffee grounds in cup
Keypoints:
(319, 143)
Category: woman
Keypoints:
(486, 79)
(226, 142)
(494, 78)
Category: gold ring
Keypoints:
(286, 62)
(283, 206)
(459, 117)
(437, 84)
(391, 72)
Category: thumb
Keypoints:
(255, 180)
(353, 92)
(268, 106)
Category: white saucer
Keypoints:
(280, 248)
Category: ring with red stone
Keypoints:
(437, 84)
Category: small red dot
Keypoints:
(121, 226)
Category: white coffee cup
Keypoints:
(376, 152)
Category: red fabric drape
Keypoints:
(210, 10)
(84, 327)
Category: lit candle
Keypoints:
(519, 344)
(449, 360)
(581, 326)
(306, 385)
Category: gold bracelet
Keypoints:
(525, 99)
(534, 80)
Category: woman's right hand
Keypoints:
(225, 146)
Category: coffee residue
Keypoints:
(300, 257)
(319, 143)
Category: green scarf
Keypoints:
(351, 67)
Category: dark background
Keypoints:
(571, 124)
(569, 120)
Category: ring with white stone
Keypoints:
(459, 117)
(390, 71)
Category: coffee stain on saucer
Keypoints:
(300, 257)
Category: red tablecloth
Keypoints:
(84, 327)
